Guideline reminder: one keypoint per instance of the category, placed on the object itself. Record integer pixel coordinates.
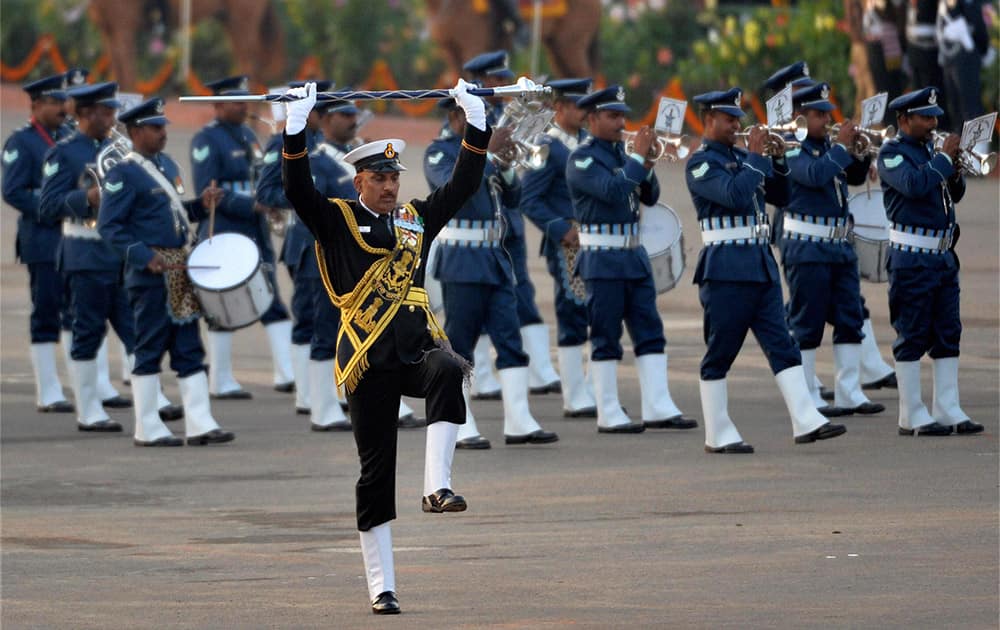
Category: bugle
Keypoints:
(659, 149)
(867, 142)
(527, 119)
(970, 162)
(776, 143)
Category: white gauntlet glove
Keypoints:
(473, 106)
(296, 112)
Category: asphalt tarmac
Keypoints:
(870, 530)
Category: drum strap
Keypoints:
(181, 224)
(368, 309)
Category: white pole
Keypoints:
(536, 37)
(185, 41)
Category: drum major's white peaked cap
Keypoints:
(378, 156)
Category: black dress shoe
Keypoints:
(60, 406)
(117, 402)
(676, 422)
(835, 412)
(825, 432)
(535, 437)
(303, 411)
(476, 443)
(826, 394)
(344, 425)
(555, 387)
(737, 448)
(167, 440)
(386, 604)
(285, 388)
(171, 413)
(888, 382)
(632, 427)
(103, 426)
(236, 394)
(968, 427)
(487, 395)
(586, 412)
(932, 429)
(444, 500)
(215, 436)
(410, 421)
(868, 408)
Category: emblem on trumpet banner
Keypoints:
(978, 130)
(873, 110)
(779, 107)
(670, 116)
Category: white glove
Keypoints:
(989, 57)
(297, 111)
(527, 84)
(473, 106)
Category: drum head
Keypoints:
(869, 212)
(235, 256)
(659, 228)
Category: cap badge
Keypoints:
(621, 94)
(76, 78)
(805, 69)
(825, 93)
(736, 101)
(158, 108)
(389, 152)
(244, 83)
(932, 99)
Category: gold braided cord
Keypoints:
(294, 156)
(476, 150)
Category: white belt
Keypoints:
(923, 242)
(77, 230)
(797, 226)
(613, 241)
(745, 232)
(469, 235)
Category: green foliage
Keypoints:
(744, 47)
(642, 51)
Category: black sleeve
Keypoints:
(442, 204)
(312, 208)
(857, 172)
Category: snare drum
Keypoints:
(660, 234)
(870, 234)
(237, 292)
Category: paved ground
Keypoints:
(870, 530)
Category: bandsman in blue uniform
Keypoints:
(739, 286)
(920, 188)
(606, 187)
(477, 278)
(37, 239)
(545, 200)
(71, 194)
(372, 255)
(875, 372)
(820, 265)
(143, 218)
(226, 151)
(490, 70)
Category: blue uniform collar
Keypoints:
(720, 147)
(908, 139)
(608, 146)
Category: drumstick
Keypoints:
(211, 214)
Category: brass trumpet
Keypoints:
(867, 142)
(527, 119)
(658, 149)
(970, 162)
(776, 143)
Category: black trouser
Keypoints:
(374, 406)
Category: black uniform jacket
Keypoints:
(407, 338)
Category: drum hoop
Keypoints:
(256, 269)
